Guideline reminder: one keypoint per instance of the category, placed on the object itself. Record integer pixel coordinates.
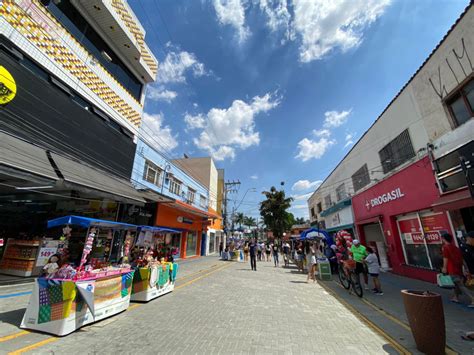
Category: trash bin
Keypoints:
(324, 269)
(425, 314)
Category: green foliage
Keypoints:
(300, 220)
(250, 221)
(274, 211)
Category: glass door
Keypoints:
(191, 240)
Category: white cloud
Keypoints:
(176, 65)
(335, 119)
(322, 132)
(233, 127)
(279, 17)
(194, 122)
(254, 177)
(158, 135)
(313, 149)
(302, 197)
(232, 12)
(349, 140)
(302, 185)
(328, 25)
(299, 207)
(159, 93)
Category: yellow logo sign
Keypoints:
(7, 86)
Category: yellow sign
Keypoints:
(7, 86)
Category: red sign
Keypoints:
(433, 224)
(1, 242)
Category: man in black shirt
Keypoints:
(253, 254)
(468, 252)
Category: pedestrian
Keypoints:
(373, 267)
(268, 251)
(330, 253)
(452, 266)
(300, 257)
(275, 251)
(221, 248)
(253, 254)
(286, 254)
(359, 252)
(312, 265)
(259, 251)
(246, 252)
(467, 250)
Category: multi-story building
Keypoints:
(205, 171)
(72, 78)
(409, 177)
(186, 211)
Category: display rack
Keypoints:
(19, 258)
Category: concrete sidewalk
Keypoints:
(388, 311)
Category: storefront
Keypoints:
(189, 220)
(340, 217)
(396, 217)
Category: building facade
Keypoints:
(73, 76)
(409, 177)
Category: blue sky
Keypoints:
(279, 90)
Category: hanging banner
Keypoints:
(86, 289)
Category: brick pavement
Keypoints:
(232, 310)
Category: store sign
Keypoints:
(418, 238)
(182, 219)
(7, 86)
(384, 198)
(1, 242)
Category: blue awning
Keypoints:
(314, 233)
(86, 222)
(337, 207)
(158, 229)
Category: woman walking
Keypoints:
(312, 264)
(268, 251)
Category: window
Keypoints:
(397, 152)
(320, 207)
(341, 192)
(175, 186)
(361, 178)
(80, 29)
(312, 212)
(191, 195)
(327, 201)
(152, 173)
(461, 105)
(202, 201)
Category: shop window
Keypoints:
(191, 195)
(152, 173)
(312, 212)
(327, 201)
(202, 201)
(341, 192)
(397, 152)
(175, 186)
(361, 178)
(80, 29)
(421, 238)
(320, 207)
(461, 105)
(212, 243)
(191, 243)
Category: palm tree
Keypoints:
(300, 220)
(250, 221)
(239, 218)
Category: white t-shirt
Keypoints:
(373, 263)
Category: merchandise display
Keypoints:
(19, 257)
(93, 269)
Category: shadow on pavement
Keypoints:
(298, 282)
(13, 317)
(390, 349)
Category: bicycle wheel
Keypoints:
(356, 285)
(345, 282)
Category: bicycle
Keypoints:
(349, 278)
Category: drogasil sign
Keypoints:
(384, 198)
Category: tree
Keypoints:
(274, 211)
(300, 220)
(239, 219)
(250, 221)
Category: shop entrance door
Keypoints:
(191, 243)
(374, 238)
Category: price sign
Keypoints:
(44, 255)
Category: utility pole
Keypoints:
(229, 187)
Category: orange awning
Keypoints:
(182, 206)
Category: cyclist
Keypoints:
(359, 252)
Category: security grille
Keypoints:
(397, 152)
(361, 178)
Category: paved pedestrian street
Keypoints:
(224, 307)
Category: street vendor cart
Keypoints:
(86, 280)
(154, 278)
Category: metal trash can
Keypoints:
(425, 314)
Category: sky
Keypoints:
(279, 90)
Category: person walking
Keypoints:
(253, 255)
(259, 251)
(359, 252)
(312, 264)
(275, 251)
(374, 270)
(286, 254)
(246, 252)
(452, 266)
(221, 248)
(268, 251)
(300, 257)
